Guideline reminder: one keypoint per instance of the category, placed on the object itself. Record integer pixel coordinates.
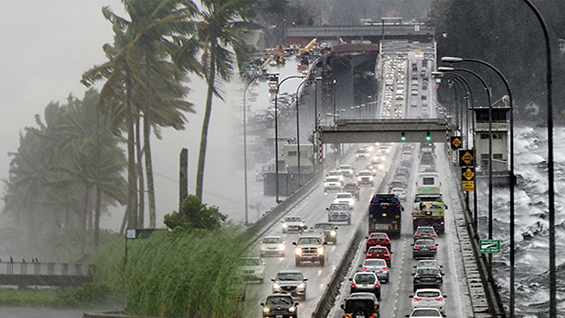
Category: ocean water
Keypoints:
(531, 223)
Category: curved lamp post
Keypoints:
(277, 134)
(487, 88)
(245, 141)
(512, 177)
(298, 130)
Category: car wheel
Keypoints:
(323, 262)
(261, 280)
(349, 221)
(297, 262)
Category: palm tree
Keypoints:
(219, 30)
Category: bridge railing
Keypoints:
(56, 269)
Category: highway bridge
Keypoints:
(470, 292)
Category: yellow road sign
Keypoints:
(455, 142)
(466, 157)
(468, 174)
(468, 185)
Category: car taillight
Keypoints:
(413, 218)
(364, 268)
(376, 284)
(384, 268)
(442, 223)
(352, 285)
(439, 298)
(432, 247)
(417, 234)
(416, 247)
(432, 235)
(417, 298)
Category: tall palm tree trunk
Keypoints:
(147, 147)
(132, 178)
(140, 180)
(84, 216)
(205, 126)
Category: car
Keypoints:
(377, 266)
(272, 245)
(380, 252)
(384, 149)
(400, 193)
(413, 103)
(352, 188)
(361, 305)
(429, 263)
(426, 231)
(365, 177)
(365, 281)
(406, 155)
(361, 154)
(290, 282)
(332, 184)
(428, 298)
(345, 197)
(293, 223)
(348, 170)
(414, 92)
(252, 268)
(339, 212)
(310, 248)
(328, 230)
(280, 306)
(396, 184)
(427, 277)
(378, 238)
(337, 173)
(424, 248)
(425, 313)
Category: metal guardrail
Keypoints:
(57, 269)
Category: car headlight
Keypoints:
(370, 178)
(263, 248)
(266, 310)
(320, 250)
(281, 247)
(291, 309)
(359, 179)
(298, 251)
(276, 286)
(301, 285)
(333, 233)
(284, 226)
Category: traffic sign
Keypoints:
(466, 158)
(456, 142)
(489, 246)
(468, 179)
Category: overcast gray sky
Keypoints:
(46, 45)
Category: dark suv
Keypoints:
(424, 248)
(427, 277)
(425, 232)
(280, 305)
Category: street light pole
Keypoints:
(277, 135)
(245, 143)
(512, 177)
(298, 130)
(490, 185)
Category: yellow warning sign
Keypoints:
(466, 157)
(468, 185)
(456, 142)
(468, 174)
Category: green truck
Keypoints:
(429, 209)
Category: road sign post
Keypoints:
(468, 179)
(489, 246)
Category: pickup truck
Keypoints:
(310, 248)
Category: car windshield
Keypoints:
(344, 196)
(309, 240)
(323, 226)
(332, 180)
(249, 262)
(428, 293)
(365, 279)
(292, 219)
(375, 262)
(289, 276)
(272, 240)
(378, 236)
(427, 264)
(339, 207)
(279, 300)
(425, 230)
(424, 312)
(365, 173)
(345, 168)
(431, 271)
(335, 173)
(355, 305)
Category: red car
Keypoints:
(379, 252)
(377, 238)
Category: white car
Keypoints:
(345, 197)
(348, 170)
(425, 313)
(332, 184)
(293, 223)
(252, 268)
(400, 193)
(337, 173)
(428, 298)
(272, 245)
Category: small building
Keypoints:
(290, 153)
(500, 127)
